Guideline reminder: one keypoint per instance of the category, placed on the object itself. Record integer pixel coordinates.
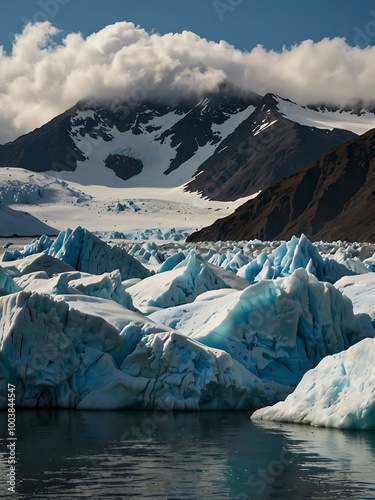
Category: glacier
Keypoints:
(87, 325)
(182, 284)
(291, 255)
(361, 291)
(277, 329)
(7, 284)
(88, 354)
(82, 250)
(338, 393)
(174, 234)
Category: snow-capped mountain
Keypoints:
(237, 142)
(278, 138)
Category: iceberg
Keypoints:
(361, 291)
(35, 264)
(277, 329)
(106, 286)
(83, 251)
(182, 284)
(45, 340)
(168, 371)
(345, 257)
(87, 253)
(7, 284)
(147, 253)
(339, 392)
(231, 261)
(289, 256)
(171, 262)
(90, 353)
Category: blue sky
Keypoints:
(243, 23)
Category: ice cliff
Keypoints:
(339, 392)
(85, 252)
(277, 329)
(74, 331)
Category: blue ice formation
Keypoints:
(147, 253)
(183, 284)
(43, 244)
(339, 392)
(370, 263)
(85, 252)
(7, 284)
(289, 256)
(231, 261)
(171, 262)
(277, 329)
(98, 357)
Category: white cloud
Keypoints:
(41, 79)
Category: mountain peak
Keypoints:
(237, 141)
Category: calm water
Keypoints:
(211, 455)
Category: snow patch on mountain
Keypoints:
(359, 123)
(149, 145)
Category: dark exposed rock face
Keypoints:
(46, 148)
(124, 166)
(332, 198)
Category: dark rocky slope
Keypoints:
(332, 198)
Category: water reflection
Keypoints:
(208, 455)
